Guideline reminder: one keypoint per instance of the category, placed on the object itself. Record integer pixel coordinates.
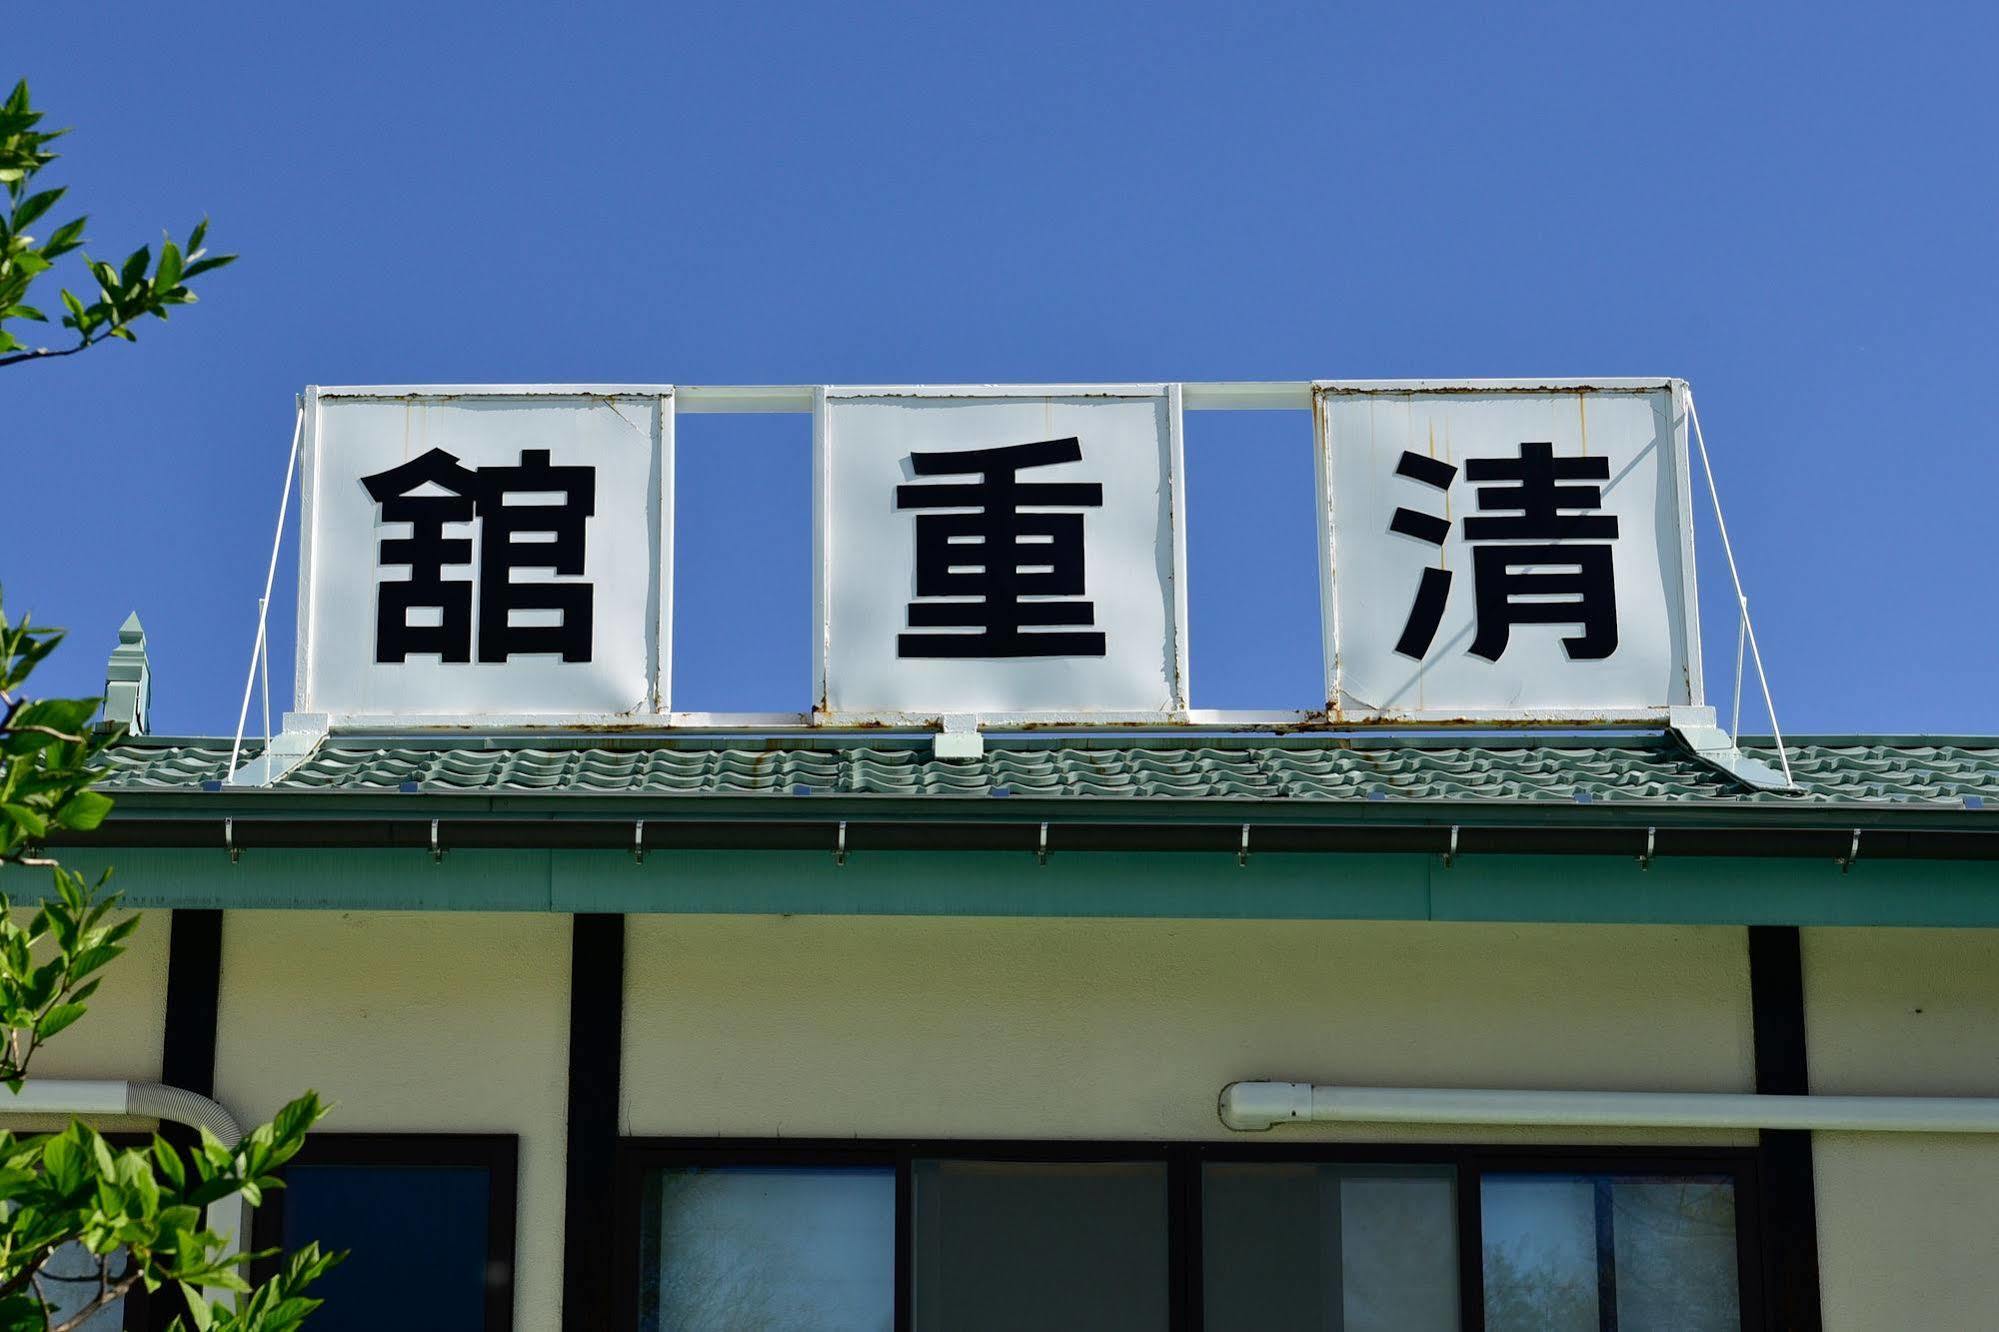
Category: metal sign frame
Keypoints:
(1299, 396)
(1173, 467)
(659, 635)
(1678, 473)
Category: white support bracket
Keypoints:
(1697, 729)
(289, 748)
(960, 738)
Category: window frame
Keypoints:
(498, 1154)
(1469, 1162)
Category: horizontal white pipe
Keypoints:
(1252, 1107)
(40, 1096)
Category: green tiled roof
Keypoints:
(1955, 771)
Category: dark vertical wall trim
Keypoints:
(194, 991)
(187, 1055)
(1784, 1159)
(596, 1040)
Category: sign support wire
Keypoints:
(1746, 630)
(260, 653)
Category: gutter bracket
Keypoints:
(436, 850)
(1041, 847)
(229, 841)
(1698, 733)
(1451, 854)
(1242, 854)
(290, 748)
(840, 846)
(639, 842)
(1852, 854)
(1651, 849)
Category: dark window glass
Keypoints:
(1007, 1245)
(769, 1248)
(417, 1236)
(1358, 1248)
(1560, 1249)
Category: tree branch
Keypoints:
(110, 1294)
(21, 1279)
(44, 354)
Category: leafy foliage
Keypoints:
(122, 293)
(138, 1213)
(47, 750)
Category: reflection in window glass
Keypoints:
(1540, 1253)
(1363, 1249)
(1676, 1258)
(1556, 1247)
(1008, 1245)
(416, 1237)
(68, 1284)
(768, 1248)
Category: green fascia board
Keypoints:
(1175, 885)
(335, 806)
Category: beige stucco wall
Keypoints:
(949, 1027)
(1906, 1223)
(412, 1022)
(121, 1035)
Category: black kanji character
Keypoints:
(426, 551)
(501, 553)
(1420, 630)
(1513, 583)
(1000, 554)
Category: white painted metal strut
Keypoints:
(259, 652)
(1747, 629)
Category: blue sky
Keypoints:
(1792, 207)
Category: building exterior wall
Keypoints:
(1905, 1221)
(1064, 1028)
(122, 1034)
(412, 1022)
(1053, 1028)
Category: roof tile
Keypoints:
(1916, 769)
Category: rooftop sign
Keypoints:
(1499, 552)
(491, 553)
(1489, 551)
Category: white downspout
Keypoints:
(83, 1099)
(1252, 1107)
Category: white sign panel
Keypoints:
(1005, 553)
(1503, 551)
(499, 553)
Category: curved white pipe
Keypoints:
(83, 1098)
(1252, 1107)
(149, 1100)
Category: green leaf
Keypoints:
(167, 276)
(136, 264)
(83, 811)
(65, 238)
(55, 1019)
(167, 1161)
(31, 822)
(204, 265)
(34, 206)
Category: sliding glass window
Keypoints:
(914, 1237)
